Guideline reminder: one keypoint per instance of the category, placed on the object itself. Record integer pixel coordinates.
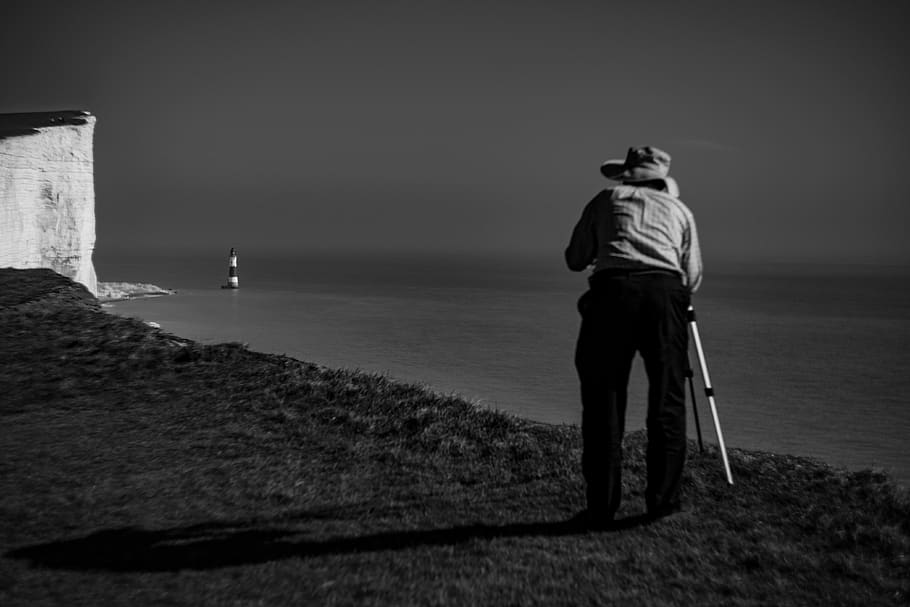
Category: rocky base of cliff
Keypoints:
(116, 291)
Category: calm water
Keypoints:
(804, 360)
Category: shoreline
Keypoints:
(133, 451)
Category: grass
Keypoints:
(139, 468)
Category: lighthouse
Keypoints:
(232, 271)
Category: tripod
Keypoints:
(709, 393)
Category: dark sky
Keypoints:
(477, 126)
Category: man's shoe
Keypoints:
(655, 514)
(592, 521)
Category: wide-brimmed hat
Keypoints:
(641, 164)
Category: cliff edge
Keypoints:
(139, 467)
(47, 193)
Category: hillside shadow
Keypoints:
(215, 545)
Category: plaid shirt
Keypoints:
(637, 228)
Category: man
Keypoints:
(642, 243)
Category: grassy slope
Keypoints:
(139, 468)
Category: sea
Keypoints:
(804, 359)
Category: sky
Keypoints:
(476, 127)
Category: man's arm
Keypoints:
(582, 247)
(691, 258)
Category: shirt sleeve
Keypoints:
(691, 257)
(582, 247)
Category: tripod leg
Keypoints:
(690, 374)
(709, 392)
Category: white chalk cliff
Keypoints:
(47, 193)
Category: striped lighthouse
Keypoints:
(232, 271)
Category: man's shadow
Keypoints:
(226, 544)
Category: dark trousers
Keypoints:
(622, 315)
